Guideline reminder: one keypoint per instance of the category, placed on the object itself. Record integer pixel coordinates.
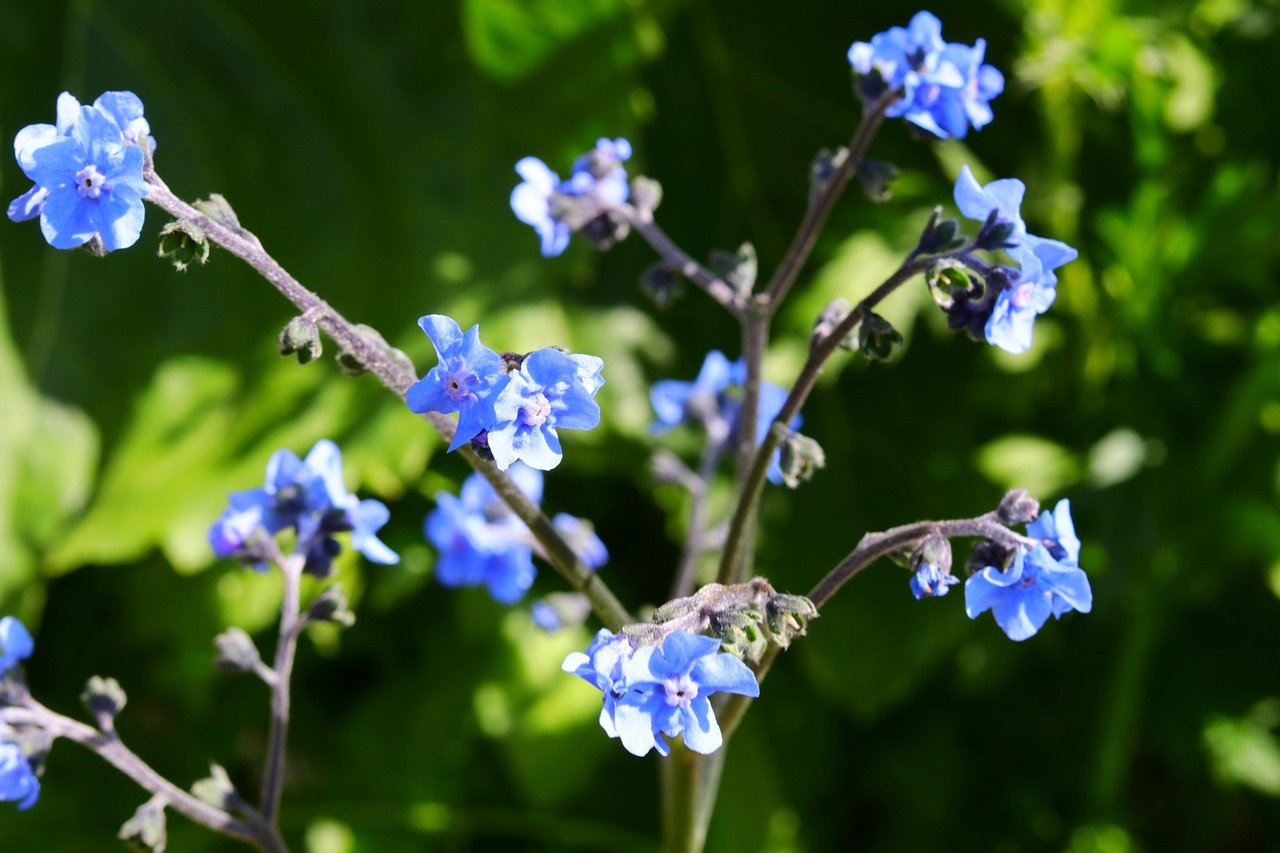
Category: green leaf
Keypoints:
(509, 39)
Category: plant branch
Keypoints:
(699, 488)
(819, 352)
(114, 752)
(286, 648)
(230, 235)
(677, 259)
(816, 216)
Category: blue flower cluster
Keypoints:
(714, 400)
(482, 542)
(1044, 579)
(87, 170)
(555, 208)
(945, 87)
(512, 405)
(18, 782)
(1033, 286)
(309, 496)
(661, 690)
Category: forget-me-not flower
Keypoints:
(15, 643)
(1058, 533)
(668, 689)
(676, 402)
(598, 181)
(87, 173)
(466, 379)
(945, 87)
(601, 667)
(547, 392)
(929, 581)
(1034, 285)
(309, 496)
(1022, 597)
(17, 781)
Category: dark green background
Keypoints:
(371, 147)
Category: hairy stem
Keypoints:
(244, 245)
(690, 783)
(699, 488)
(816, 216)
(113, 751)
(821, 350)
(678, 260)
(286, 648)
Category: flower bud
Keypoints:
(646, 195)
(877, 339)
(183, 243)
(300, 337)
(104, 698)
(876, 176)
(738, 269)
(799, 457)
(217, 790)
(661, 285)
(824, 168)
(1018, 507)
(332, 606)
(236, 651)
(147, 826)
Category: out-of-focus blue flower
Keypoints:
(546, 393)
(582, 538)
(1058, 532)
(676, 402)
(946, 87)
(482, 543)
(15, 643)
(545, 616)
(531, 203)
(309, 496)
(668, 689)
(716, 397)
(1022, 597)
(929, 581)
(542, 200)
(466, 380)
(87, 174)
(17, 782)
(602, 667)
(1034, 285)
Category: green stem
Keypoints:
(690, 783)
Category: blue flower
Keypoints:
(482, 542)
(1058, 532)
(602, 667)
(929, 581)
(123, 108)
(15, 643)
(668, 689)
(87, 174)
(547, 392)
(1022, 597)
(598, 181)
(1033, 286)
(309, 496)
(466, 380)
(545, 616)
(531, 203)
(946, 88)
(676, 402)
(17, 782)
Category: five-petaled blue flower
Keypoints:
(668, 689)
(17, 782)
(945, 87)
(676, 402)
(598, 181)
(466, 380)
(87, 170)
(930, 581)
(1034, 285)
(309, 496)
(549, 391)
(1022, 597)
(15, 643)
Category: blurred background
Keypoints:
(371, 148)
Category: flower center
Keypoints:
(536, 410)
(680, 691)
(1022, 295)
(90, 182)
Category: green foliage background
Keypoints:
(370, 146)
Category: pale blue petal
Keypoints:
(701, 731)
(724, 673)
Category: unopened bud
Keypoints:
(646, 194)
(300, 337)
(332, 606)
(799, 457)
(236, 651)
(105, 698)
(146, 829)
(1018, 507)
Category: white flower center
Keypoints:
(680, 691)
(90, 182)
(536, 410)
